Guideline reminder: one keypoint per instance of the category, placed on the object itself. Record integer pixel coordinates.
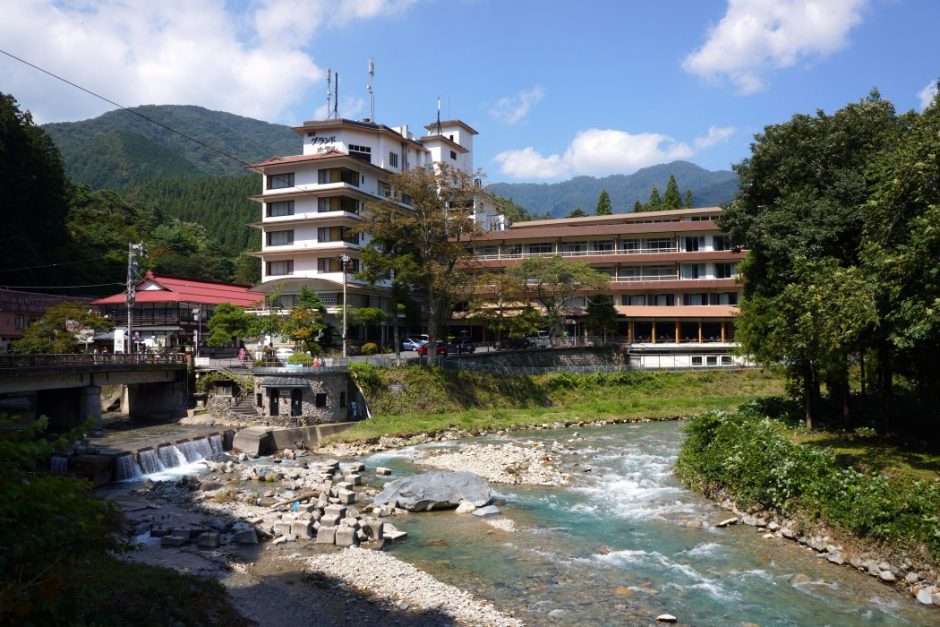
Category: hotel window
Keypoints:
(512, 251)
(691, 244)
(282, 208)
(661, 300)
(574, 247)
(693, 270)
(486, 251)
(635, 300)
(280, 268)
(723, 298)
(692, 300)
(393, 159)
(610, 271)
(453, 155)
(385, 189)
(629, 245)
(721, 242)
(659, 244)
(604, 246)
(724, 270)
(324, 234)
(280, 181)
(540, 248)
(361, 152)
(280, 238)
(576, 301)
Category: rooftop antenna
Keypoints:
(336, 97)
(329, 94)
(371, 91)
(439, 131)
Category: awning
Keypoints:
(673, 313)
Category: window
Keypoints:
(280, 238)
(633, 299)
(360, 152)
(726, 360)
(540, 248)
(324, 234)
(393, 159)
(692, 300)
(20, 321)
(284, 301)
(602, 246)
(647, 273)
(696, 360)
(693, 244)
(662, 300)
(574, 247)
(659, 244)
(609, 271)
(724, 270)
(282, 208)
(280, 268)
(721, 242)
(320, 400)
(712, 360)
(629, 245)
(280, 181)
(453, 155)
(693, 270)
(385, 189)
(486, 251)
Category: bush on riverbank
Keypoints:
(414, 399)
(748, 456)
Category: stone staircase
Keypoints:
(244, 408)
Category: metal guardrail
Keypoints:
(16, 361)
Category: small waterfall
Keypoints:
(126, 468)
(203, 448)
(189, 451)
(150, 461)
(59, 464)
(171, 456)
(215, 442)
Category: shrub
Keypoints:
(747, 455)
(369, 348)
(300, 358)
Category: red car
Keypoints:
(440, 349)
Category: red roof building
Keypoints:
(170, 312)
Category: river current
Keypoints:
(626, 542)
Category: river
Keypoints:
(626, 542)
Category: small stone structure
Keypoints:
(299, 397)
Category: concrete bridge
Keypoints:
(67, 388)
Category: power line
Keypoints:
(53, 265)
(54, 287)
(140, 115)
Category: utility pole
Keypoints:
(344, 259)
(133, 251)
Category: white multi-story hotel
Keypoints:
(311, 201)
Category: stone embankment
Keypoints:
(408, 588)
(920, 580)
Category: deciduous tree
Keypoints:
(57, 330)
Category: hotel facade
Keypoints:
(312, 202)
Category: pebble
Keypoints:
(499, 463)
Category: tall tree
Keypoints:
(601, 315)
(672, 199)
(57, 331)
(688, 199)
(655, 203)
(227, 323)
(553, 280)
(420, 237)
(501, 304)
(577, 212)
(603, 204)
(304, 321)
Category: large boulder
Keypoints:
(435, 490)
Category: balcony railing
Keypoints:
(577, 253)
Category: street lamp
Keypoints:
(399, 318)
(344, 259)
(197, 316)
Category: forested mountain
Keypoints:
(118, 148)
(559, 199)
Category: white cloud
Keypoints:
(514, 109)
(601, 152)
(927, 94)
(757, 36)
(134, 52)
(349, 108)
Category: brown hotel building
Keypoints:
(673, 274)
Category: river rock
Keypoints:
(248, 536)
(391, 533)
(788, 533)
(326, 535)
(465, 508)
(887, 575)
(382, 472)
(435, 490)
(208, 540)
(925, 596)
(489, 510)
(727, 521)
(836, 557)
(912, 577)
(666, 618)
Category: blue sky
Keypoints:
(556, 89)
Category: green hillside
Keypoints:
(558, 199)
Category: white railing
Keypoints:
(577, 253)
(656, 277)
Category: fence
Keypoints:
(14, 361)
(633, 362)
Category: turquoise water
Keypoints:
(625, 543)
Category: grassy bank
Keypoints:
(760, 461)
(411, 400)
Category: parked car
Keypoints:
(440, 349)
(412, 344)
(463, 345)
(283, 354)
(540, 340)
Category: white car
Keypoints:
(283, 354)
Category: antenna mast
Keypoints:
(329, 93)
(336, 97)
(439, 131)
(371, 91)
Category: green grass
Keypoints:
(434, 400)
(866, 453)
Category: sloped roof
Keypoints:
(166, 289)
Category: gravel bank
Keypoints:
(407, 587)
(500, 463)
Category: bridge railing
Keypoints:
(14, 361)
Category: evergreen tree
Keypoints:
(688, 199)
(655, 203)
(637, 206)
(672, 199)
(603, 204)
(577, 212)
